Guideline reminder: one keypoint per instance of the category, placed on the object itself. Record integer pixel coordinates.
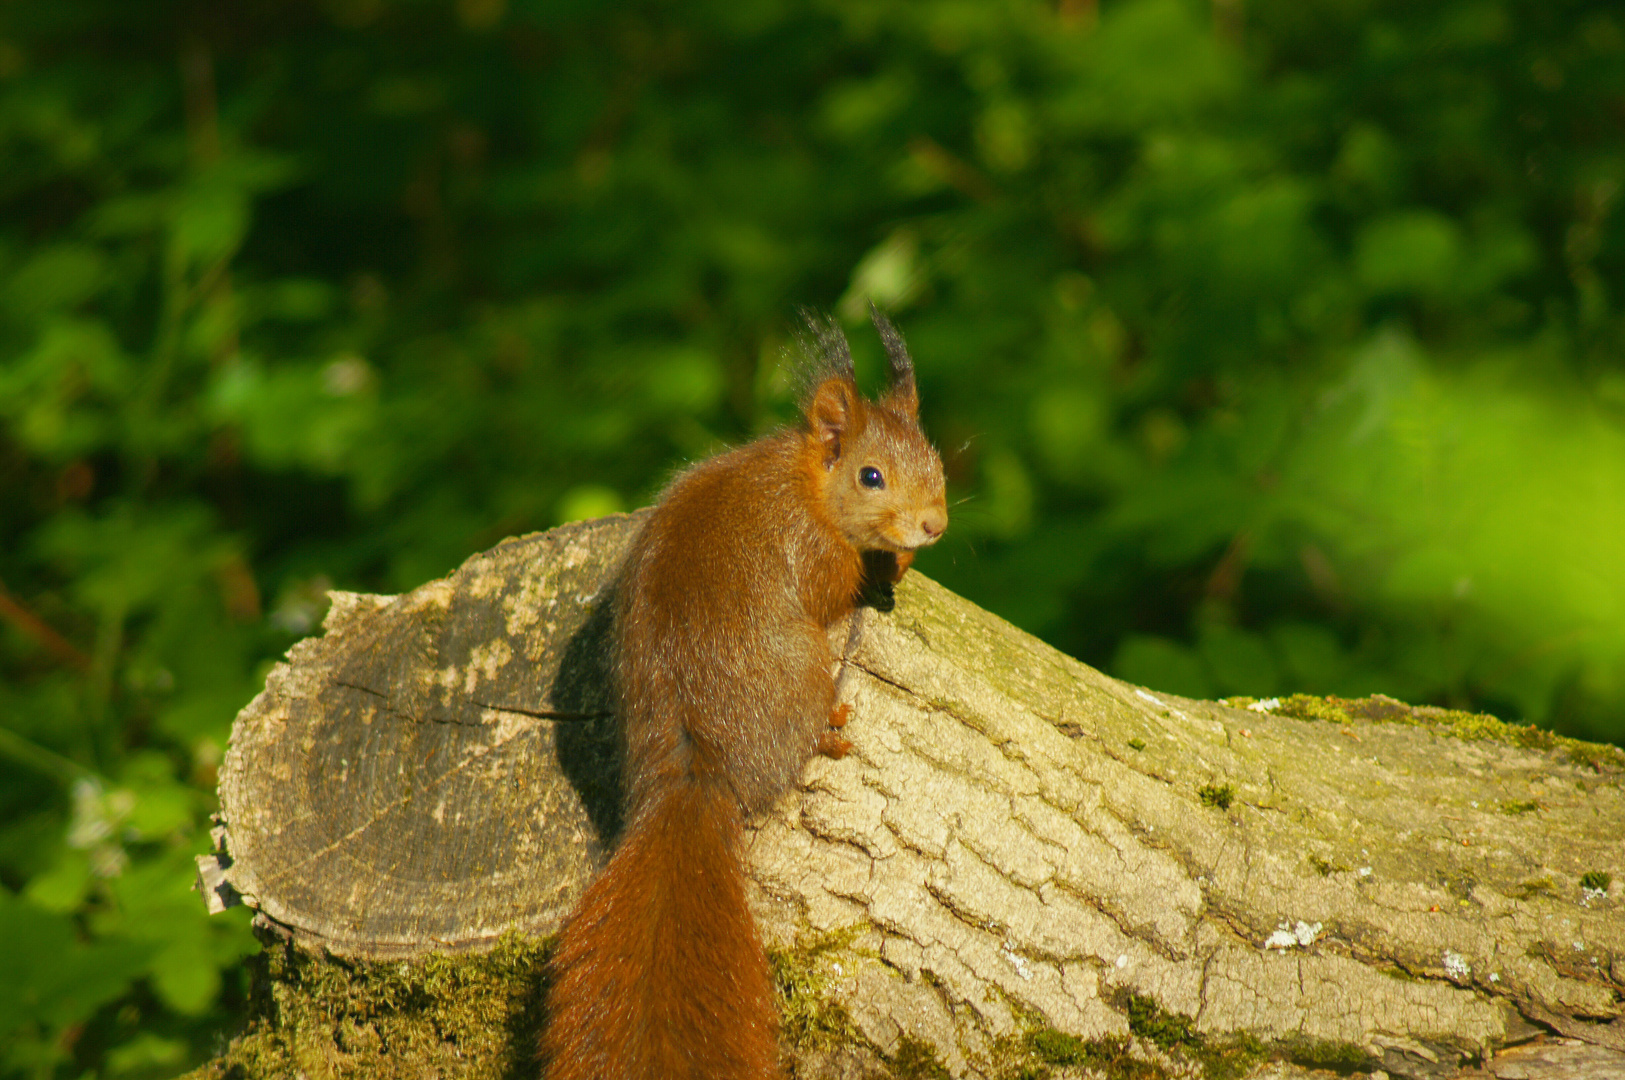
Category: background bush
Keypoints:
(1273, 346)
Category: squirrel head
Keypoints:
(881, 478)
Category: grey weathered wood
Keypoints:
(1016, 839)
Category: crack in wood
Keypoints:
(395, 708)
(544, 714)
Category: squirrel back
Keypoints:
(725, 690)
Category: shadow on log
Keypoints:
(1024, 867)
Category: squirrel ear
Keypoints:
(834, 414)
(902, 394)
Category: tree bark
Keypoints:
(1024, 867)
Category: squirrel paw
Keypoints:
(839, 715)
(832, 745)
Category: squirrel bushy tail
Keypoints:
(661, 974)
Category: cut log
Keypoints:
(1023, 866)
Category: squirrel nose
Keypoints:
(933, 522)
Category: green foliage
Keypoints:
(1269, 355)
(1219, 796)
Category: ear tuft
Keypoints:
(821, 353)
(903, 395)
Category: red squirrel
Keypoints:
(726, 690)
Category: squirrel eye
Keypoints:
(870, 477)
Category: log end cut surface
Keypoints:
(438, 768)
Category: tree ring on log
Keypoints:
(438, 768)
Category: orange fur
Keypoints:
(661, 974)
(723, 673)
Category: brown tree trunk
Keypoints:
(1024, 867)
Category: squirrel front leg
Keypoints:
(830, 744)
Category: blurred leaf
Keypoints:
(61, 395)
(145, 1052)
(162, 806)
(858, 107)
(1150, 60)
(299, 414)
(293, 299)
(685, 381)
(589, 501)
(132, 557)
(1007, 505)
(1068, 424)
(1166, 665)
(185, 946)
(63, 887)
(209, 222)
(889, 276)
(1237, 661)
(59, 276)
(52, 978)
(1416, 250)
(1005, 137)
(1310, 654)
(184, 974)
(1369, 162)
